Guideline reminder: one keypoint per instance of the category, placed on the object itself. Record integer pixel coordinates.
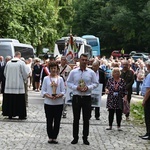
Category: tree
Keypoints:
(117, 23)
(38, 23)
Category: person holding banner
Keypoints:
(45, 71)
(100, 74)
(116, 90)
(64, 72)
(82, 81)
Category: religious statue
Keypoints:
(54, 87)
(82, 83)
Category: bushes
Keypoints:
(137, 112)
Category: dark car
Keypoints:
(117, 53)
(143, 56)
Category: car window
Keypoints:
(137, 55)
(146, 54)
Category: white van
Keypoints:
(8, 47)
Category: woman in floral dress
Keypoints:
(115, 89)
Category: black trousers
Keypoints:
(147, 116)
(97, 111)
(118, 116)
(53, 116)
(129, 99)
(78, 103)
(138, 83)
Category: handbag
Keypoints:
(126, 107)
(140, 75)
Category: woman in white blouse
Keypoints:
(53, 90)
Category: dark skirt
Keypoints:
(37, 78)
(14, 105)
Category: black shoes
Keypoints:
(143, 135)
(119, 129)
(97, 118)
(52, 142)
(22, 118)
(86, 142)
(146, 138)
(75, 141)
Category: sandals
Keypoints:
(119, 129)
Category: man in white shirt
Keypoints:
(82, 81)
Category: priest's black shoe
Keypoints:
(141, 136)
(75, 141)
(146, 138)
(10, 117)
(22, 118)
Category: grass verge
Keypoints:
(137, 112)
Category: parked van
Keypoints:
(8, 47)
(8, 40)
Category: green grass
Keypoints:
(137, 112)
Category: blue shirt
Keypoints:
(108, 73)
(146, 84)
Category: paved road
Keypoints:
(31, 133)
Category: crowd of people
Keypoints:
(53, 75)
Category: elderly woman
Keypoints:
(115, 88)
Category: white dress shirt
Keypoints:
(89, 77)
(47, 89)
